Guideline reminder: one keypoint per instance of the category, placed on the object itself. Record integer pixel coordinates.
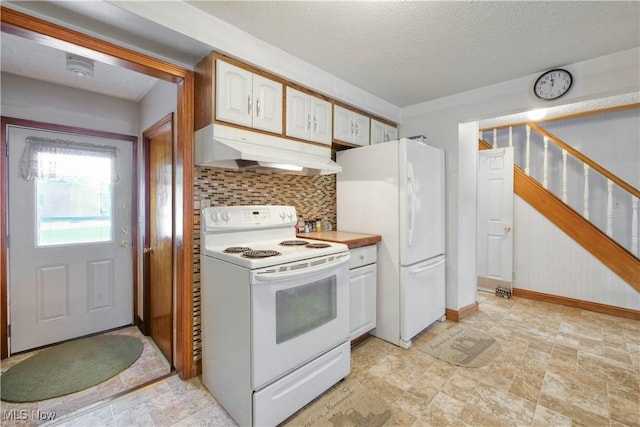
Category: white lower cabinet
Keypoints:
(362, 290)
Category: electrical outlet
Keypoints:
(205, 203)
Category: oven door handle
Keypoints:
(279, 276)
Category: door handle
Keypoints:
(147, 250)
(124, 243)
(507, 229)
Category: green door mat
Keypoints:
(69, 367)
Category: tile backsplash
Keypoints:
(312, 196)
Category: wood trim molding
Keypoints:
(584, 305)
(568, 116)
(575, 153)
(614, 256)
(457, 315)
(75, 42)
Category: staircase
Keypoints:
(544, 184)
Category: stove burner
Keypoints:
(294, 243)
(263, 253)
(318, 245)
(236, 250)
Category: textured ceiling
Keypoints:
(403, 52)
(412, 52)
(28, 59)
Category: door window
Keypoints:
(74, 206)
(304, 308)
(73, 189)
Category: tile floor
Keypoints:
(150, 365)
(559, 366)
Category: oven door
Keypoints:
(299, 311)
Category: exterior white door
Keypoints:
(70, 258)
(495, 218)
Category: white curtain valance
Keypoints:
(32, 166)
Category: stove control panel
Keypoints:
(247, 217)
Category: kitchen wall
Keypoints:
(312, 196)
(450, 123)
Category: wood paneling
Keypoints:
(584, 305)
(614, 256)
(75, 42)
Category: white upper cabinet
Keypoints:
(382, 132)
(308, 117)
(349, 126)
(247, 99)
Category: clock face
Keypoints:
(553, 84)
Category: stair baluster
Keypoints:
(564, 175)
(545, 179)
(585, 209)
(609, 208)
(634, 225)
(528, 151)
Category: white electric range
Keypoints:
(275, 312)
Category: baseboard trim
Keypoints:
(576, 303)
(457, 315)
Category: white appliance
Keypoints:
(275, 313)
(396, 189)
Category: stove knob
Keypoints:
(214, 216)
(225, 216)
(282, 215)
(290, 215)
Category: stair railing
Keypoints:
(536, 161)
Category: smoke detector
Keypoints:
(80, 66)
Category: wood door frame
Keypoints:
(149, 133)
(59, 37)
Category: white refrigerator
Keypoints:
(396, 189)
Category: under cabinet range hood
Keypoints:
(227, 147)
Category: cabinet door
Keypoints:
(362, 294)
(361, 129)
(298, 114)
(321, 118)
(392, 133)
(342, 124)
(267, 109)
(377, 132)
(233, 94)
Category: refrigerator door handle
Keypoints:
(412, 201)
(426, 267)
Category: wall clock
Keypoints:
(553, 84)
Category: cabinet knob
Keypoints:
(249, 104)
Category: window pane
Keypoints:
(75, 206)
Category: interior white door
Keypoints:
(70, 260)
(495, 218)
(421, 170)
